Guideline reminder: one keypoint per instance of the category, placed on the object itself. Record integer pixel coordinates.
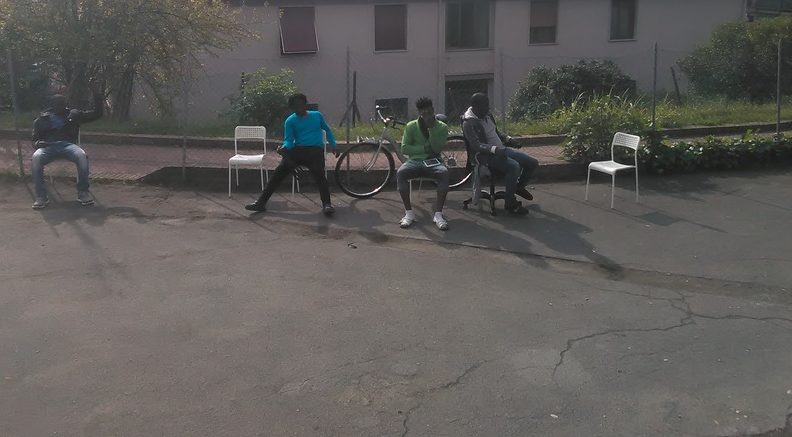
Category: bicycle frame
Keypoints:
(392, 144)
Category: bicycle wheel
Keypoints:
(455, 157)
(364, 170)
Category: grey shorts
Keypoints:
(415, 168)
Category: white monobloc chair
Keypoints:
(612, 167)
(296, 177)
(248, 133)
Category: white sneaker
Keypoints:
(406, 222)
(85, 198)
(441, 222)
(40, 203)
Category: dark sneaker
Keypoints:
(40, 203)
(517, 209)
(328, 210)
(525, 194)
(85, 198)
(256, 207)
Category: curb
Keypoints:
(528, 140)
(216, 179)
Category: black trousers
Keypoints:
(311, 157)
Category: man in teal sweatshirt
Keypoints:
(422, 142)
(303, 144)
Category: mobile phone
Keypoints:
(432, 162)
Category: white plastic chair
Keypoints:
(420, 184)
(254, 133)
(612, 167)
(296, 179)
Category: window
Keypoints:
(298, 30)
(458, 93)
(390, 27)
(397, 108)
(544, 21)
(622, 19)
(467, 24)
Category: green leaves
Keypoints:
(714, 153)
(150, 45)
(545, 90)
(741, 60)
(263, 99)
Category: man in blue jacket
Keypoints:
(55, 134)
(303, 144)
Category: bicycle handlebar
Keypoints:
(392, 122)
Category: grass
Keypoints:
(693, 113)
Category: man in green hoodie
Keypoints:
(422, 142)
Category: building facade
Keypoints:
(448, 49)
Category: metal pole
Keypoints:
(654, 89)
(185, 107)
(14, 103)
(778, 96)
(348, 127)
(502, 93)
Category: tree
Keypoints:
(150, 45)
(740, 60)
(546, 89)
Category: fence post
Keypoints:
(15, 104)
(502, 93)
(777, 137)
(654, 90)
(185, 107)
(348, 127)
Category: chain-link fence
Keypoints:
(384, 80)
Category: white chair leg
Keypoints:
(588, 178)
(237, 174)
(294, 180)
(229, 179)
(411, 190)
(613, 188)
(636, 185)
(261, 170)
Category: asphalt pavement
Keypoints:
(175, 312)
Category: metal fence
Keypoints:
(132, 158)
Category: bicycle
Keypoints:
(360, 171)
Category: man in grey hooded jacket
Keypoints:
(484, 138)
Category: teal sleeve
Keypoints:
(330, 138)
(288, 133)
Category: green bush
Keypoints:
(545, 89)
(740, 60)
(590, 125)
(713, 153)
(263, 99)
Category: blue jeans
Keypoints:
(518, 168)
(59, 150)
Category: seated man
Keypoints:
(303, 144)
(483, 136)
(422, 142)
(55, 134)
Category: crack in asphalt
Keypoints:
(456, 381)
(688, 319)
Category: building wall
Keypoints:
(583, 32)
